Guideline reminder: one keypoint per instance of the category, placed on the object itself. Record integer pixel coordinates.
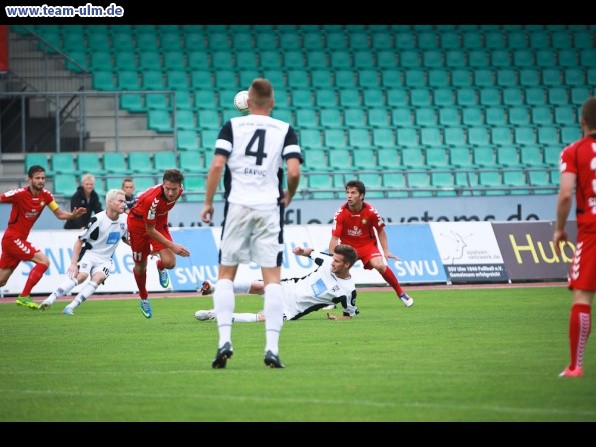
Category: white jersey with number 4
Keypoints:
(256, 147)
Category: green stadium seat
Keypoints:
(177, 80)
(218, 40)
(449, 40)
(90, 162)
(430, 136)
(419, 182)
(374, 184)
(449, 116)
(144, 182)
(146, 40)
(287, 41)
(513, 96)
(466, 97)
(575, 76)
(363, 59)
(569, 134)
(226, 79)
(298, 79)
(529, 77)
(428, 40)
(405, 41)
(65, 185)
(222, 59)
(523, 58)
(76, 61)
(100, 60)
(552, 77)
(191, 162)
(436, 157)
(421, 97)
(525, 135)
(402, 117)
(355, 117)
(152, 80)
(330, 117)
(174, 59)
(568, 57)
(64, 163)
(396, 97)
(517, 181)
(473, 116)
(438, 77)
(316, 160)
(383, 137)
(382, 40)
(321, 78)
(486, 77)
(170, 41)
(460, 157)
(407, 138)
(149, 59)
(541, 115)
(369, 79)
(415, 78)
(578, 95)
(272, 59)
(444, 182)
(387, 158)
(410, 59)
(508, 156)
(507, 77)
(187, 140)
(310, 139)
(548, 135)
(334, 138)
(539, 39)
(552, 154)
(163, 160)
(456, 58)
(340, 159)
(125, 60)
(395, 184)
(317, 59)
(587, 58)
(433, 58)
(141, 162)
(495, 116)
(360, 137)
(484, 157)
(546, 58)
(42, 160)
(185, 119)
(328, 97)
(478, 136)
(558, 96)
(392, 78)
(359, 40)
(364, 158)
(501, 136)
(462, 77)
(115, 163)
(197, 60)
(454, 136)
(321, 186)
(565, 114)
(531, 156)
(127, 80)
(491, 179)
(517, 40)
(413, 158)
(478, 58)
(157, 101)
(340, 59)
(347, 98)
(378, 117)
(539, 179)
(104, 80)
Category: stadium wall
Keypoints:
(434, 252)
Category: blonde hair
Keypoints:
(87, 177)
(112, 194)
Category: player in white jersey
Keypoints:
(331, 283)
(93, 251)
(252, 149)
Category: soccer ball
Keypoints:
(241, 101)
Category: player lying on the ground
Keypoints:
(328, 284)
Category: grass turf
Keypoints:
(475, 355)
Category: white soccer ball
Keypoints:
(241, 101)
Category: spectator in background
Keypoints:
(84, 197)
(128, 186)
(27, 205)
(578, 173)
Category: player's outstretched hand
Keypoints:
(331, 316)
(180, 250)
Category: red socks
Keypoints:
(390, 277)
(34, 277)
(580, 322)
(141, 279)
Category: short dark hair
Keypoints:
(358, 185)
(589, 113)
(34, 170)
(173, 175)
(348, 252)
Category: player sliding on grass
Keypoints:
(329, 283)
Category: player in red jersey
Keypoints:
(27, 205)
(578, 173)
(354, 224)
(149, 233)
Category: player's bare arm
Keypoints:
(302, 251)
(215, 173)
(65, 215)
(157, 236)
(338, 317)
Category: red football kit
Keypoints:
(580, 158)
(26, 209)
(357, 230)
(150, 208)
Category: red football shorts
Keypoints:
(582, 273)
(142, 245)
(365, 254)
(15, 251)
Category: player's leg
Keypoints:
(42, 262)
(374, 260)
(63, 289)
(580, 325)
(166, 260)
(99, 273)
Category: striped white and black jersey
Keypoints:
(256, 147)
(318, 289)
(103, 234)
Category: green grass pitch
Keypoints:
(474, 355)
